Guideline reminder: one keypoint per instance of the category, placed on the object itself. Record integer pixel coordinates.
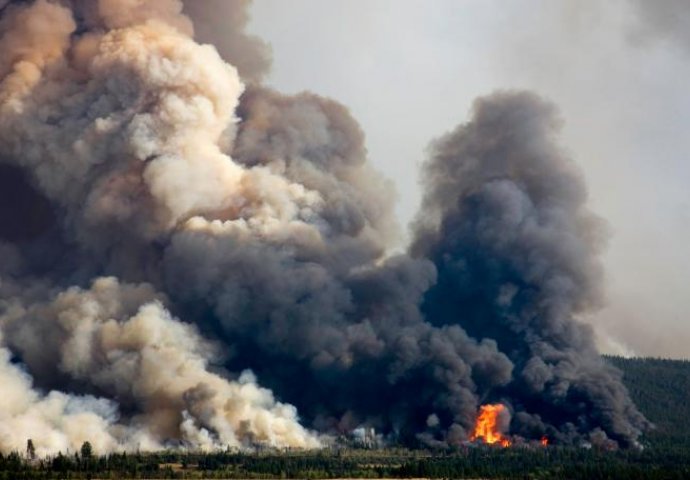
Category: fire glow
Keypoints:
(486, 428)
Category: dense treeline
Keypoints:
(660, 388)
(471, 462)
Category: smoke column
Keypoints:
(115, 116)
(504, 220)
(195, 258)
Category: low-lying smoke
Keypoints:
(183, 235)
(119, 342)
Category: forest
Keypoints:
(659, 387)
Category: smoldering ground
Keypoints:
(186, 235)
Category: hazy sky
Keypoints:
(618, 69)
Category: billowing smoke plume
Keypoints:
(164, 203)
(117, 122)
(119, 341)
(505, 222)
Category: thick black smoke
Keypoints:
(154, 186)
(505, 222)
(314, 299)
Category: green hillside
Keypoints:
(661, 389)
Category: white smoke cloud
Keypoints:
(56, 421)
(121, 340)
(123, 128)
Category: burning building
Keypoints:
(491, 424)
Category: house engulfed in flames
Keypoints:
(490, 422)
(487, 428)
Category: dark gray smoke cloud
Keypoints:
(164, 203)
(312, 296)
(667, 20)
(505, 222)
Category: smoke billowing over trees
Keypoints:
(197, 259)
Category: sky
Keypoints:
(409, 70)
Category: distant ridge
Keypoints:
(661, 389)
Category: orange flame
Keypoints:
(544, 441)
(486, 427)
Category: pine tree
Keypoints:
(86, 451)
(30, 450)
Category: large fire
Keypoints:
(486, 427)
